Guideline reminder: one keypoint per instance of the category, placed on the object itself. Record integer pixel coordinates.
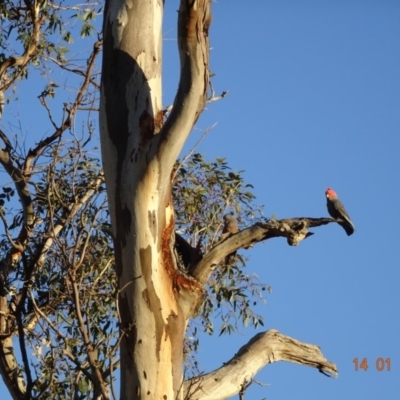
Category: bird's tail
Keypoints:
(348, 227)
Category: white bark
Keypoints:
(138, 155)
(2, 102)
(10, 370)
(193, 43)
(264, 348)
(139, 151)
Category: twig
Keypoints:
(204, 134)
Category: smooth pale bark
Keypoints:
(10, 371)
(139, 151)
(264, 348)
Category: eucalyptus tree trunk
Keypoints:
(140, 145)
(139, 149)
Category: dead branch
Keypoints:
(293, 229)
(264, 348)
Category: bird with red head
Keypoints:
(338, 212)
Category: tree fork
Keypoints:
(139, 153)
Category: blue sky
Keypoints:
(314, 101)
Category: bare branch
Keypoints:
(187, 156)
(264, 348)
(33, 153)
(216, 98)
(294, 229)
(76, 71)
(212, 96)
(193, 24)
(77, 7)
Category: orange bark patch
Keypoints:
(146, 126)
(179, 280)
(15, 255)
(159, 121)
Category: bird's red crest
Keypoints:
(331, 194)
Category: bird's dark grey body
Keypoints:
(229, 229)
(337, 211)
